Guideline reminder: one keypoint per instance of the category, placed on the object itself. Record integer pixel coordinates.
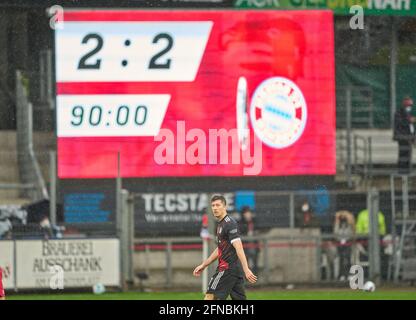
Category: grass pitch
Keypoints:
(321, 294)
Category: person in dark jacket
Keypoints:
(248, 228)
(404, 134)
(344, 230)
(306, 218)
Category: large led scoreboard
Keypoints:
(189, 93)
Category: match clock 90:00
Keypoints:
(123, 115)
(111, 115)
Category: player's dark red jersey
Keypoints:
(1, 284)
(227, 233)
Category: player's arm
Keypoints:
(234, 238)
(206, 263)
(238, 245)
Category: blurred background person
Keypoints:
(252, 247)
(307, 218)
(404, 134)
(344, 230)
(362, 230)
(204, 232)
(362, 226)
(46, 228)
(5, 229)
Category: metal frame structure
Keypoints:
(403, 228)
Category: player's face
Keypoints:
(218, 209)
(248, 216)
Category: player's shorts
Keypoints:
(2, 294)
(225, 283)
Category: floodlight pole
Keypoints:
(374, 237)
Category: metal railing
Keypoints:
(362, 163)
(281, 254)
(26, 187)
(355, 107)
(362, 155)
(281, 260)
(29, 170)
(270, 248)
(403, 228)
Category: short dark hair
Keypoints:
(218, 197)
(245, 209)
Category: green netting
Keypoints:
(375, 79)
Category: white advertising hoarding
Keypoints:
(84, 262)
(7, 264)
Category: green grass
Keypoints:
(320, 294)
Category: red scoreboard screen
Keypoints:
(195, 93)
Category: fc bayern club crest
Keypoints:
(278, 112)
